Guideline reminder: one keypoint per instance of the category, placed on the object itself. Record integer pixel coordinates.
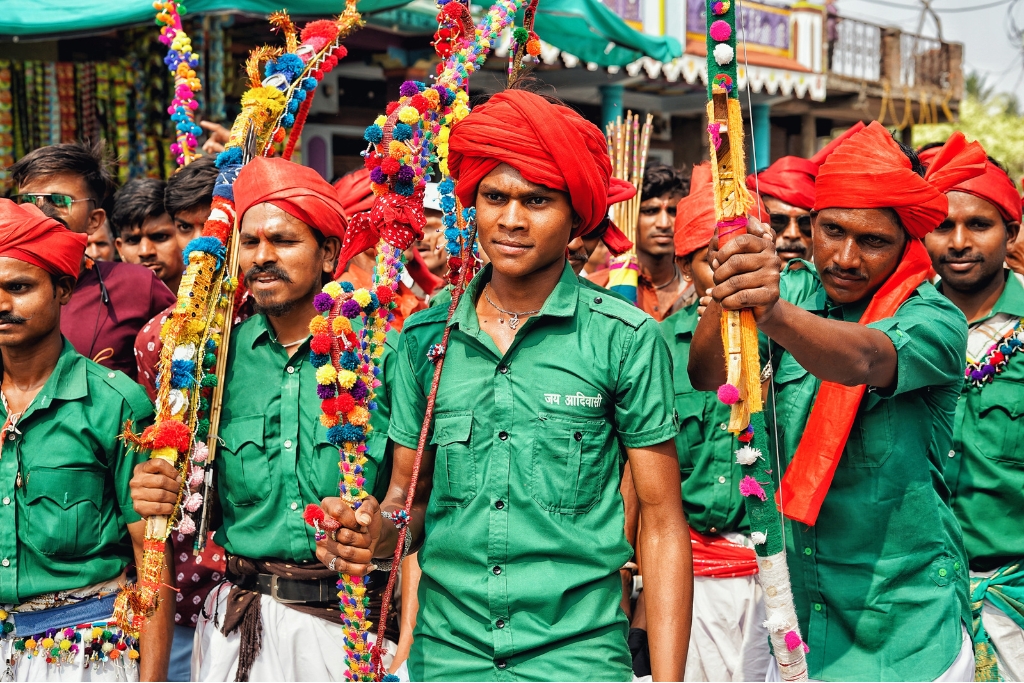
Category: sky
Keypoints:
(979, 25)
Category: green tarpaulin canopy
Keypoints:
(583, 28)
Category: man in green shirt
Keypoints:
(878, 568)
(69, 527)
(984, 466)
(548, 387)
(275, 458)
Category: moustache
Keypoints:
(273, 270)
(11, 319)
(578, 255)
(968, 257)
(791, 245)
(836, 271)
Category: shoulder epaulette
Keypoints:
(130, 391)
(613, 307)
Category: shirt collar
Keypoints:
(67, 382)
(1011, 301)
(561, 303)
(260, 329)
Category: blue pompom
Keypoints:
(373, 134)
(293, 106)
(351, 432)
(446, 186)
(349, 361)
(401, 132)
(207, 245)
(299, 95)
(319, 359)
(347, 286)
(335, 435)
(229, 157)
(309, 83)
(183, 374)
(404, 188)
(288, 120)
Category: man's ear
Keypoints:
(63, 288)
(685, 264)
(96, 218)
(1012, 233)
(332, 247)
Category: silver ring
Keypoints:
(331, 564)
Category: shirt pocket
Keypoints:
(454, 463)
(566, 468)
(998, 426)
(690, 407)
(246, 466)
(63, 515)
(326, 466)
(871, 437)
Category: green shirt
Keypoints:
(524, 529)
(985, 466)
(707, 466)
(65, 527)
(880, 582)
(275, 458)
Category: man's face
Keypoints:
(523, 227)
(855, 251)
(83, 216)
(155, 246)
(581, 249)
(792, 226)
(189, 224)
(29, 302)
(696, 268)
(969, 247)
(430, 247)
(101, 245)
(282, 262)
(656, 224)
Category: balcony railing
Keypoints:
(855, 49)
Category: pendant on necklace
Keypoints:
(513, 322)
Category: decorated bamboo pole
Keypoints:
(628, 144)
(740, 342)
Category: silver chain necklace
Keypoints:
(675, 276)
(513, 317)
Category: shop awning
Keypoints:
(38, 18)
(595, 34)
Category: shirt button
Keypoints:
(110, 375)
(288, 443)
(956, 566)
(598, 299)
(578, 436)
(503, 436)
(952, 454)
(501, 664)
(496, 569)
(291, 369)
(808, 551)
(713, 530)
(942, 572)
(721, 480)
(6, 562)
(500, 623)
(500, 504)
(817, 607)
(7, 500)
(723, 426)
(294, 506)
(11, 437)
(503, 369)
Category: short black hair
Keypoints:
(89, 161)
(661, 179)
(915, 162)
(191, 186)
(138, 200)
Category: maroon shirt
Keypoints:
(105, 331)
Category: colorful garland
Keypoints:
(984, 371)
(182, 63)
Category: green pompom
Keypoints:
(520, 35)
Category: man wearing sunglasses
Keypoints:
(111, 301)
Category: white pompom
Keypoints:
(184, 352)
(758, 538)
(776, 623)
(723, 54)
(748, 455)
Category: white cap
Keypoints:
(432, 197)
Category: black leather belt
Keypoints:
(290, 590)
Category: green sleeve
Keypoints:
(123, 462)
(408, 397)
(644, 411)
(379, 445)
(930, 336)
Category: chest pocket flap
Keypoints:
(63, 509)
(246, 466)
(999, 425)
(454, 464)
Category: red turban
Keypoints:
(29, 235)
(870, 171)
(354, 192)
(548, 144)
(994, 186)
(296, 189)
(791, 179)
(695, 214)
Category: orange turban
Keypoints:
(791, 179)
(695, 214)
(298, 190)
(870, 171)
(29, 235)
(548, 144)
(994, 186)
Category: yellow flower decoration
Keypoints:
(442, 135)
(408, 115)
(346, 378)
(430, 95)
(332, 289)
(326, 374)
(397, 150)
(362, 297)
(318, 325)
(381, 120)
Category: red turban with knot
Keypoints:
(791, 179)
(870, 171)
(695, 214)
(548, 144)
(994, 186)
(29, 235)
(297, 190)
(354, 192)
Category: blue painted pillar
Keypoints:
(762, 143)
(611, 103)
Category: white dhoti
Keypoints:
(295, 646)
(727, 640)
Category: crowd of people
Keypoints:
(579, 513)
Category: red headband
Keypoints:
(296, 189)
(994, 186)
(29, 235)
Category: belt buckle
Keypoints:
(274, 595)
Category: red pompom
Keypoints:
(385, 295)
(317, 74)
(279, 134)
(329, 406)
(321, 343)
(329, 63)
(371, 161)
(322, 28)
(421, 103)
(390, 109)
(454, 262)
(996, 358)
(443, 48)
(172, 434)
(345, 403)
(313, 514)
(390, 166)
(340, 52)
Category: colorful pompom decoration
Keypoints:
(720, 8)
(793, 641)
(724, 54)
(751, 487)
(728, 394)
(720, 30)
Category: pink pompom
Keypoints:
(193, 501)
(200, 452)
(186, 526)
(793, 641)
(750, 487)
(728, 394)
(720, 30)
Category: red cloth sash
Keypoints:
(720, 558)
